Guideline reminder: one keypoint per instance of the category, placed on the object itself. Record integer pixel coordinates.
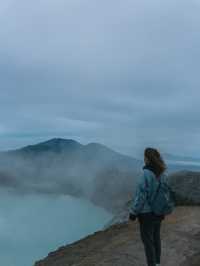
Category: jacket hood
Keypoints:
(149, 167)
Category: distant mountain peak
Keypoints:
(52, 145)
(55, 141)
(97, 145)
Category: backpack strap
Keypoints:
(157, 190)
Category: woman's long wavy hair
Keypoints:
(155, 160)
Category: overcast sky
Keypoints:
(124, 73)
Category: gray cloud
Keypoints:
(123, 73)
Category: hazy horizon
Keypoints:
(137, 156)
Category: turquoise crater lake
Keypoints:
(33, 225)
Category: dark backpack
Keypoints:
(163, 203)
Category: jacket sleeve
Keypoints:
(139, 196)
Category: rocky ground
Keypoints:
(120, 244)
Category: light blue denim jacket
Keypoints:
(145, 189)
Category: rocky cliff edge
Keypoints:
(120, 244)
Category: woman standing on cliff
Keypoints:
(150, 223)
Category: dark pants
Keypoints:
(150, 234)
